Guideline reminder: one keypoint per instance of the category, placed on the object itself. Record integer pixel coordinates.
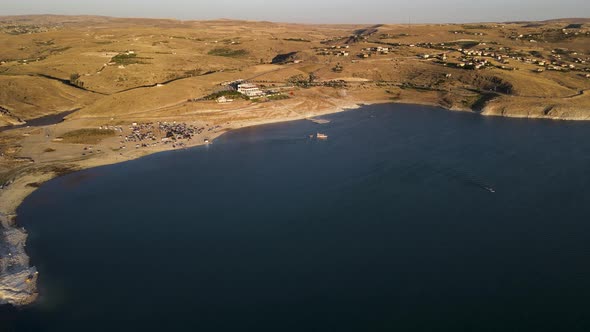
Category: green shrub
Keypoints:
(278, 97)
(298, 40)
(227, 52)
(128, 59)
(87, 136)
(231, 94)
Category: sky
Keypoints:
(313, 11)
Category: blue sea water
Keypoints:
(408, 218)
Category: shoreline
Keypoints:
(18, 280)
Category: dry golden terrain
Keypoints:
(137, 86)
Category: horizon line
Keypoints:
(557, 19)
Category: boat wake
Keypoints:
(458, 175)
(464, 177)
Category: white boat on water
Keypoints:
(321, 136)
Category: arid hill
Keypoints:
(52, 64)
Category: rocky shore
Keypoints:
(18, 280)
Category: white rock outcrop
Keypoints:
(18, 280)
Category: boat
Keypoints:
(321, 136)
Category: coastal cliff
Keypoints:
(540, 108)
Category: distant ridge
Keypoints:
(569, 20)
(552, 21)
(56, 18)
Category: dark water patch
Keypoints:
(43, 121)
(384, 226)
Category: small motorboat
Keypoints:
(321, 136)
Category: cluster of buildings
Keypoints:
(370, 51)
(477, 59)
(582, 61)
(560, 33)
(556, 62)
(334, 50)
(560, 67)
(573, 57)
(475, 63)
(480, 58)
(522, 36)
(482, 53)
(575, 32)
(463, 32)
(469, 60)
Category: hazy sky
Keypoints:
(321, 11)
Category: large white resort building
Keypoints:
(249, 90)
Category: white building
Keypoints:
(223, 100)
(250, 90)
